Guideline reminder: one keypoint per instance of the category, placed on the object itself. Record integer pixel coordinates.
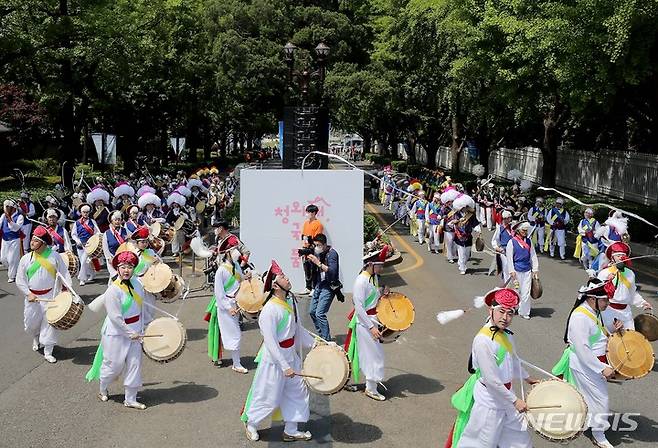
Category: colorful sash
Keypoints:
(619, 277)
(351, 345)
(55, 235)
(90, 230)
(463, 399)
(41, 261)
(214, 334)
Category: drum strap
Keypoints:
(619, 277)
(41, 261)
(55, 235)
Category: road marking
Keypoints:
(419, 259)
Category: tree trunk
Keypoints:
(455, 146)
(411, 149)
(549, 150)
(431, 148)
(71, 140)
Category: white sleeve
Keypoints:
(62, 268)
(62, 218)
(509, 253)
(15, 226)
(581, 230)
(31, 211)
(305, 337)
(106, 248)
(113, 309)
(567, 218)
(21, 275)
(550, 218)
(267, 324)
(486, 360)
(579, 340)
(67, 241)
(220, 295)
(359, 298)
(530, 217)
(74, 235)
(534, 259)
(495, 239)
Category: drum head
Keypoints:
(92, 243)
(58, 309)
(128, 246)
(179, 222)
(331, 364)
(173, 290)
(157, 278)
(647, 324)
(212, 200)
(200, 206)
(168, 346)
(395, 311)
(250, 296)
(630, 354)
(556, 410)
(155, 229)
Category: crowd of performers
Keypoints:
(450, 220)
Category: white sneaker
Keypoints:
(239, 369)
(135, 405)
(11, 280)
(375, 395)
(35, 344)
(462, 272)
(526, 317)
(82, 282)
(50, 358)
(251, 433)
(299, 435)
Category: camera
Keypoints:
(336, 287)
(305, 251)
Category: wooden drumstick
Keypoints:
(44, 300)
(152, 336)
(545, 406)
(309, 376)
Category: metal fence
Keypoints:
(625, 175)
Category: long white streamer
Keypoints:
(599, 204)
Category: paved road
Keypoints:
(193, 403)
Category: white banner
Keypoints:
(272, 204)
(110, 148)
(181, 145)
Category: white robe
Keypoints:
(34, 313)
(494, 421)
(271, 389)
(524, 278)
(624, 295)
(120, 353)
(371, 352)
(229, 326)
(586, 367)
(87, 271)
(27, 227)
(10, 252)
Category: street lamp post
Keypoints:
(306, 127)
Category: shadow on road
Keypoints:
(647, 431)
(181, 393)
(196, 334)
(411, 383)
(346, 430)
(83, 355)
(542, 312)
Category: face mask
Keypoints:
(308, 216)
(318, 250)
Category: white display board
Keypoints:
(272, 204)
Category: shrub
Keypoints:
(399, 166)
(378, 159)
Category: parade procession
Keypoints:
(154, 248)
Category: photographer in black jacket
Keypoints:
(325, 284)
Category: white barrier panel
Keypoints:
(272, 204)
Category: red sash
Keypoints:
(55, 235)
(521, 242)
(118, 236)
(89, 230)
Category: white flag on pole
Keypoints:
(181, 144)
(110, 148)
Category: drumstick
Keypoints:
(545, 406)
(309, 376)
(390, 304)
(527, 364)
(152, 336)
(44, 300)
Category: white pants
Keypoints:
(595, 392)
(464, 253)
(449, 240)
(503, 262)
(561, 242)
(586, 258)
(421, 231)
(525, 283)
(27, 230)
(86, 268)
(177, 242)
(492, 428)
(433, 240)
(229, 329)
(121, 355)
(36, 324)
(541, 233)
(488, 211)
(371, 355)
(271, 390)
(10, 255)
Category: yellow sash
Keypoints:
(620, 275)
(500, 338)
(44, 263)
(283, 303)
(587, 313)
(124, 288)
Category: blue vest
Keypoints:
(59, 246)
(82, 232)
(434, 214)
(112, 243)
(522, 261)
(130, 226)
(8, 234)
(420, 209)
(587, 226)
(538, 213)
(613, 235)
(505, 236)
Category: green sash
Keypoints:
(562, 367)
(94, 372)
(353, 350)
(214, 335)
(41, 261)
(463, 399)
